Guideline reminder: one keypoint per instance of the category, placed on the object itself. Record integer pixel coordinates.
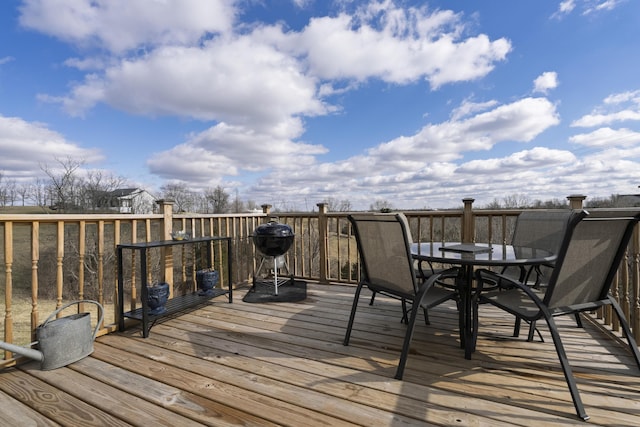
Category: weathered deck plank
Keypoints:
(284, 364)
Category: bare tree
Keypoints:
(335, 205)
(11, 191)
(24, 191)
(218, 199)
(38, 193)
(516, 201)
(97, 185)
(238, 205)
(3, 198)
(64, 183)
(180, 194)
(550, 204)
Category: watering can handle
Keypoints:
(100, 313)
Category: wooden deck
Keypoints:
(284, 364)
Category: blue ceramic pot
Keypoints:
(206, 280)
(157, 296)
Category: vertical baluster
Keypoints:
(81, 255)
(431, 229)
(35, 258)
(8, 274)
(625, 297)
(193, 248)
(59, 262)
(101, 262)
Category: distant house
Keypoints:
(129, 200)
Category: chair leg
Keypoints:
(516, 327)
(566, 368)
(373, 297)
(578, 320)
(407, 342)
(426, 316)
(405, 317)
(352, 316)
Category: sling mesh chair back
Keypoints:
(424, 269)
(388, 269)
(540, 229)
(587, 262)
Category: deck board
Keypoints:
(284, 364)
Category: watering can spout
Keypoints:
(23, 351)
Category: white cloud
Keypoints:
(545, 82)
(591, 120)
(468, 107)
(225, 150)
(124, 25)
(24, 144)
(587, 7)
(618, 107)
(214, 83)
(564, 8)
(607, 137)
(397, 46)
(620, 98)
(519, 121)
(603, 5)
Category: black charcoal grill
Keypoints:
(273, 240)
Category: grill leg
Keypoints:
(275, 273)
(278, 262)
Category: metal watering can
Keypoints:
(62, 341)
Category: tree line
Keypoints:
(68, 188)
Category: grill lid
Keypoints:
(273, 238)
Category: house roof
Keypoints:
(124, 192)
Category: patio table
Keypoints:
(471, 255)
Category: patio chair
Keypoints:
(540, 229)
(588, 260)
(424, 270)
(388, 269)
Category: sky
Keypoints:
(417, 104)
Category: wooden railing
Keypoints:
(52, 259)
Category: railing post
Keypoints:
(576, 201)
(468, 231)
(323, 245)
(166, 209)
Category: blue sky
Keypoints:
(292, 102)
